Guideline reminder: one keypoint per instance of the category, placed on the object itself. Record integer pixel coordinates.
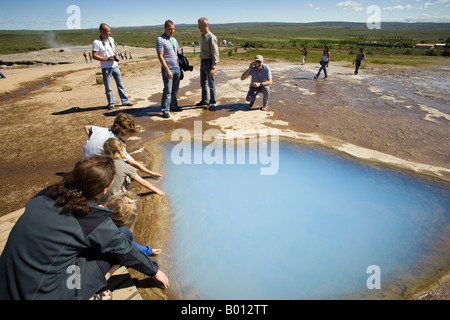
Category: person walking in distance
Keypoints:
(359, 58)
(304, 55)
(324, 63)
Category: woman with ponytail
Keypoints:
(65, 246)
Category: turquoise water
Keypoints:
(311, 231)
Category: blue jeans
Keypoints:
(169, 98)
(253, 92)
(207, 81)
(324, 68)
(358, 64)
(129, 235)
(108, 73)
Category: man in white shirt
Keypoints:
(103, 50)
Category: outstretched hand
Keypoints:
(161, 277)
(157, 174)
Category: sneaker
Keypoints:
(166, 115)
(201, 103)
(110, 107)
(325, 77)
(129, 104)
(212, 108)
(315, 78)
(264, 108)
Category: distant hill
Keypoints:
(423, 26)
(268, 35)
(384, 25)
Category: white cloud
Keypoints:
(426, 5)
(355, 6)
(398, 7)
(311, 5)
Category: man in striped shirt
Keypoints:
(167, 49)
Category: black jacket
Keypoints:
(45, 246)
(184, 65)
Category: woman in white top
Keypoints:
(324, 63)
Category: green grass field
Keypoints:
(391, 44)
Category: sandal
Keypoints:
(105, 295)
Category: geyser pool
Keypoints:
(324, 227)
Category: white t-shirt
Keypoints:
(94, 146)
(105, 48)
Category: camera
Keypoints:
(116, 59)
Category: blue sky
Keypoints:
(52, 15)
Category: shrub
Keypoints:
(431, 52)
